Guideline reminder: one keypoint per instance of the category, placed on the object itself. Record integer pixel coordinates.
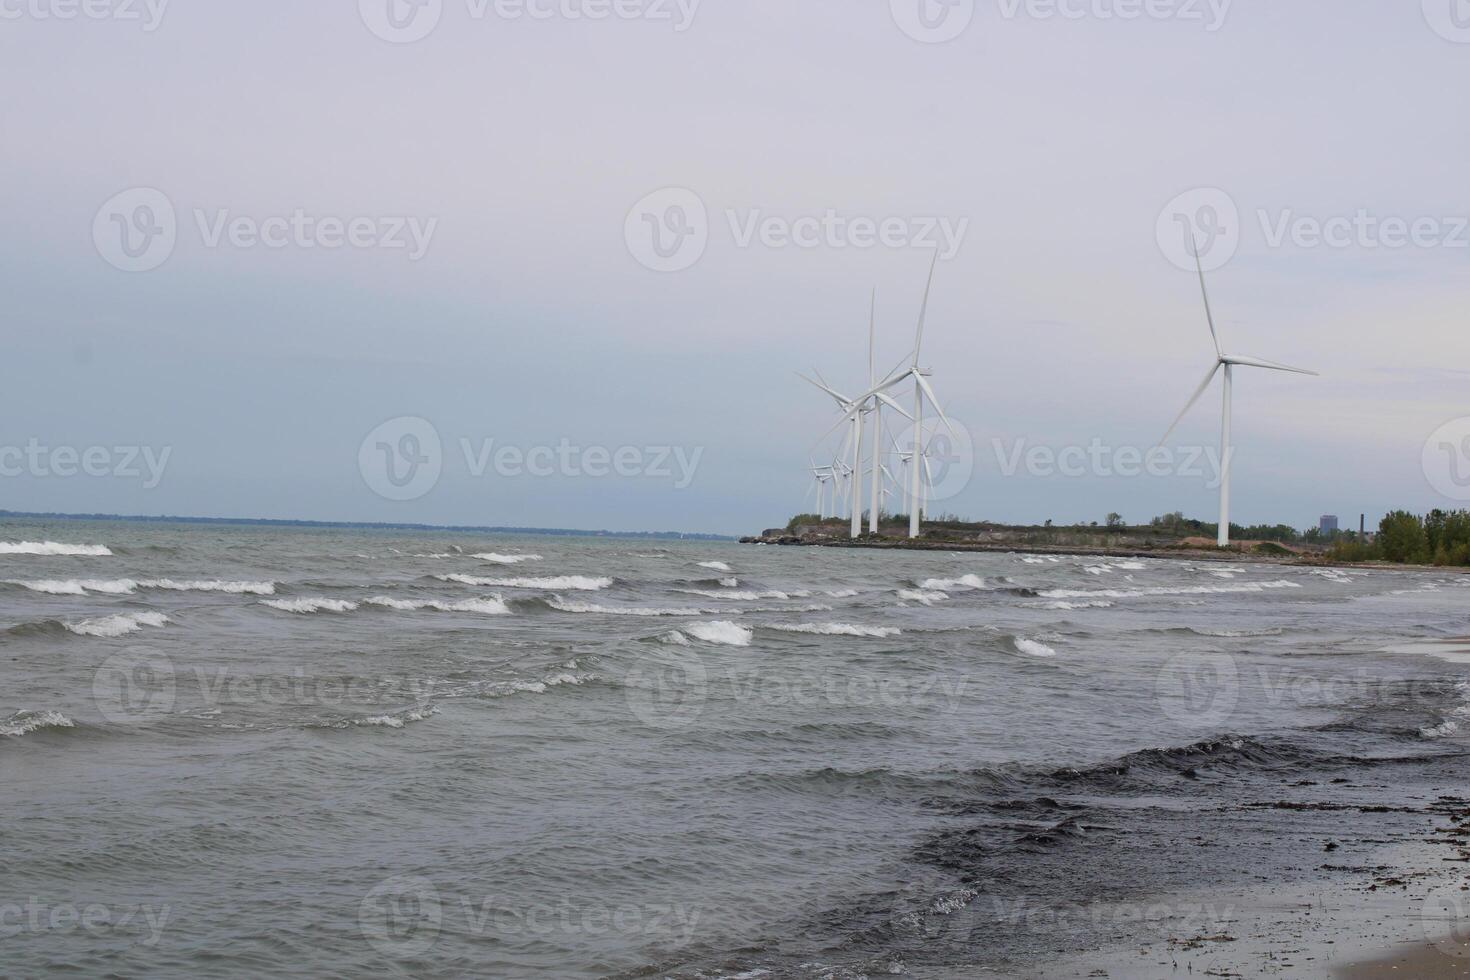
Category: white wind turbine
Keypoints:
(922, 390)
(1229, 363)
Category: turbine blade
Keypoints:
(924, 309)
(1209, 315)
(872, 335)
(1197, 394)
(933, 400)
(842, 400)
(893, 405)
(928, 471)
(1270, 365)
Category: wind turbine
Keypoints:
(852, 411)
(1229, 362)
(922, 390)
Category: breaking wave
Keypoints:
(492, 605)
(953, 584)
(1166, 591)
(52, 548)
(838, 629)
(576, 583)
(25, 722)
(310, 605)
(491, 556)
(717, 566)
(721, 632)
(572, 606)
(120, 625)
(922, 596)
(1033, 648)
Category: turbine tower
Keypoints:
(1228, 362)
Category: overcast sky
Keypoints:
(502, 283)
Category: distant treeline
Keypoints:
(1440, 538)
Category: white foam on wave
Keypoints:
(575, 583)
(838, 629)
(1231, 634)
(53, 548)
(922, 596)
(1062, 605)
(730, 583)
(953, 584)
(212, 585)
(717, 566)
(573, 606)
(119, 625)
(721, 632)
(743, 596)
(25, 722)
(498, 559)
(304, 606)
(491, 605)
(73, 586)
(1167, 591)
(674, 637)
(842, 593)
(1033, 648)
(399, 719)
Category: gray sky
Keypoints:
(518, 147)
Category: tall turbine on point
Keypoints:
(1229, 363)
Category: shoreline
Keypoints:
(1078, 551)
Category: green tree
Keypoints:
(1115, 520)
(1402, 538)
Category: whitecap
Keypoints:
(953, 584)
(1167, 591)
(1064, 605)
(212, 585)
(842, 593)
(922, 596)
(491, 556)
(119, 625)
(399, 719)
(25, 722)
(744, 596)
(78, 586)
(493, 605)
(576, 583)
(571, 606)
(1033, 648)
(721, 632)
(838, 629)
(717, 566)
(310, 605)
(52, 548)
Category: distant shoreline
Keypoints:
(367, 525)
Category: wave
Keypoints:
(74, 586)
(120, 625)
(953, 584)
(1166, 591)
(838, 629)
(576, 583)
(744, 596)
(492, 605)
(1033, 648)
(491, 556)
(310, 605)
(397, 719)
(842, 593)
(571, 606)
(717, 566)
(53, 548)
(25, 722)
(1063, 604)
(721, 632)
(922, 596)
(212, 585)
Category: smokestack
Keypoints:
(1362, 526)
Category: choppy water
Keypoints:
(241, 751)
